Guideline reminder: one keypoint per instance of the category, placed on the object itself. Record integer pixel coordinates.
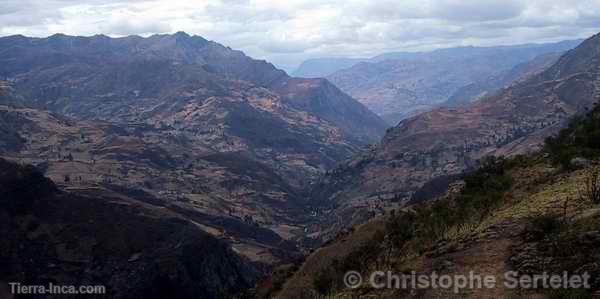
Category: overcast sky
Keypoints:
(288, 31)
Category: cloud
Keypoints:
(287, 32)
(477, 10)
(135, 27)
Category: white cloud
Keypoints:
(286, 32)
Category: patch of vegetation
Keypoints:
(418, 229)
(325, 281)
(330, 278)
(274, 283)
(554, 231)
(581, 139)
(545, 225)
(434, 188)
(483, 192)
(558, 243)
(591, 188)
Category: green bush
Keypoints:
(324, 282)
(400, 227)
(580, 139)
(483, 192)
(591, 188)
(545, 225)
(484, 189)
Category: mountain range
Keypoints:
(507, 184)
(183, 123)
(398, 85)
(447, 141)
(171, 164)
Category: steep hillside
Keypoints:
(232, 196)
(446, 141)
(247, 203)
(487, 87)
(397, 86)
(131, 248)
(539, 225)
(322, 67)
(74, 74)
(530, 214)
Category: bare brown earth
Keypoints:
(132, 248)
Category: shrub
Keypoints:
(434, 188)
(400, 227)
(580, 139)
(484, 189)
(545, 225)
(324, 281)
(591, 188)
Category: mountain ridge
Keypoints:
(399, 88)
(305, 71)
(213, 58)
(229, 141)
(446, 141)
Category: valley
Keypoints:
(230, 144)
(172, 165)
(397, 86)
(447, 141)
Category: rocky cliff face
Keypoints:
(398, 86)
(446, 141)
(132, 248)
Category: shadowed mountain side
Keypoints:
(133, 249)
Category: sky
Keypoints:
(286, 32)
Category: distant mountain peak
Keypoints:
(181, 34)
